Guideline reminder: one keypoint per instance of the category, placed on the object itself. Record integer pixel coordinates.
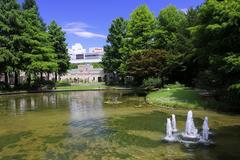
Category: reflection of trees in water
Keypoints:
(19, 104)
(86, 113)
(87, 101)
(125, 97)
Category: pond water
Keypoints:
(104, 125)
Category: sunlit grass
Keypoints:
(180, 97)
(83, 87)
(88, 86)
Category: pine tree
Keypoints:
(57, 38)
(30, 4)
(140, 28)
(115, 54)
(10, 29)
(39, 56)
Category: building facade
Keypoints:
(79, 55)
(84, 74)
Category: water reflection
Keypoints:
(82, 124)
(20, 104)
(86, 113)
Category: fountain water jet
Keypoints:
(205, 129)
(190, 135)
(191, 132)
(174, 126)
(169, 135)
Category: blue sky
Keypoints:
(87, 21)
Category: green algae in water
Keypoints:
(79, 125)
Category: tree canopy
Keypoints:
(199, 48)
(25, 43)
(140, 27)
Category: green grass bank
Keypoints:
(180, 96)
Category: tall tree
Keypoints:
(143, 64)
(170, 24)
(170, 34)
(189, 58)
(10, 28)
(115, 53)
(39, 56)
(217, 40)
(58, 40)
(30, 4)
(140, 29)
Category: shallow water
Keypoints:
(104, 125)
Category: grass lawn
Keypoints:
(179, 97)
(89, 86)
(82, 87)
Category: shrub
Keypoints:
(63, 83)
(174, 86)
(2, 86)
(43, 85)
(152, 83)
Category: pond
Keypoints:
(104, 125)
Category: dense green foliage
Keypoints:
(27, 46)
(146, 63)
(152, 83)
(139, 29)
(201, 47)
(63, 83)
(57, 38)
(115, 54)
(97, 65)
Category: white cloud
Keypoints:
(80, 29)
(89, 34)
(184, 10)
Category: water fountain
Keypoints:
(174, 125)
(205, 130)
(190, 135)
(169, 134)
(191, 132)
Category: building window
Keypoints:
(99, 79)
(79, 56)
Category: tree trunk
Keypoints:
(48, 76)
(56, 76)
(29, 79)
(162, 81)
(6, 79)
(16, 79)
(41, 76)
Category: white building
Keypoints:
(84, 74)
(79, 55)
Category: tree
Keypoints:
(39, 56)
(170, 26)
(145, 64)
(171, 34)
(10, 29)
(115, 53)
(140, 29)
(30, 4)
(57, 38)
(216, 38)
